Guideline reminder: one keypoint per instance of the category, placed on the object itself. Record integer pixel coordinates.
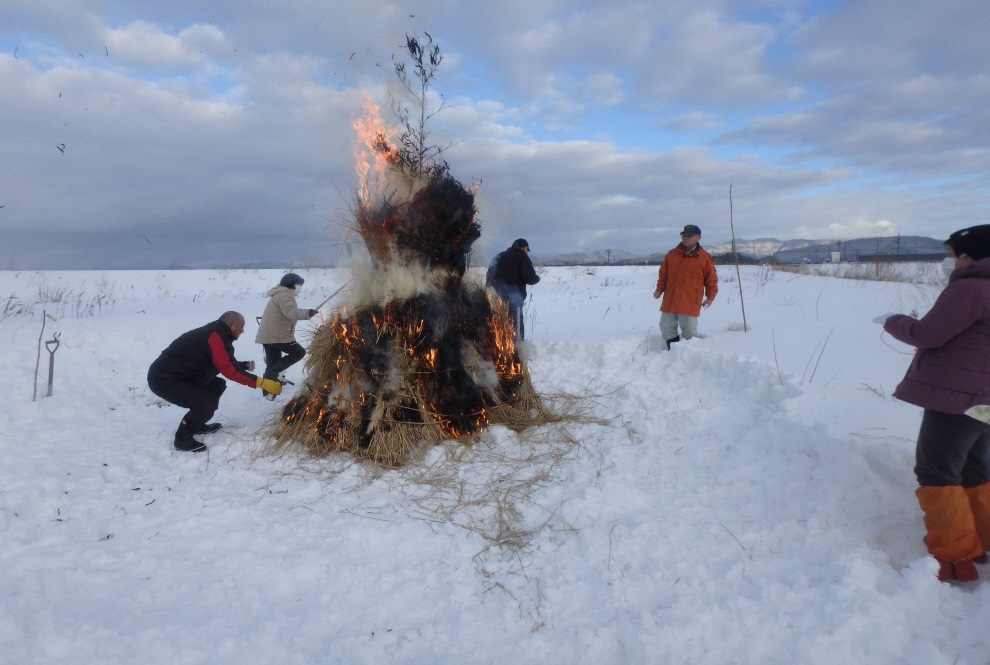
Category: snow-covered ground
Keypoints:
(749, 498)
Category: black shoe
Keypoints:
(208, 428)
(189, 445)
(670, 341)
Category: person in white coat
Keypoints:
(277, 332)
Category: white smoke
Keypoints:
(481, 371)
(377, 285)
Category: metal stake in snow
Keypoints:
(52, 346)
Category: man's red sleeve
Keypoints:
(223, 362)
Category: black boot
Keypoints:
(268, 375)
(274, 376)
(184, 440)
(670, 341)
(208, 428)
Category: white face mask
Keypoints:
(948, 265)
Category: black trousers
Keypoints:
(953, 449)
(280, 357)
(201, 400)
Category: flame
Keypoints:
(390, 364)
(500, 325)
(373, 151)
(352, 387)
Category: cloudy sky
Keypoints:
(209, 132)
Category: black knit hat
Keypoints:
(974, 242)
(291, 280)
(520, 243)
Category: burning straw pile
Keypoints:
(421, 356)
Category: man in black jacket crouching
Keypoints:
(185, 374)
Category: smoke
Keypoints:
(378, 285)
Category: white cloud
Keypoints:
(616, 200)
(708, 58)
(182, 116)
(141, 45)
(854, 228)
(603, 88)
(692, 120)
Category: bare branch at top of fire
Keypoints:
(416, 152)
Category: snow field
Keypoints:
(745, 497)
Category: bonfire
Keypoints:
(419, 355)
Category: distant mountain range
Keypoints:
(772, 250)
(769, 250)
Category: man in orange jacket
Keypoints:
(688, 281)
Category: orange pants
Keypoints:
(979, 504)
(955, 530)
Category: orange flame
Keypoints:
(373, 151)
(342, 398)
(504, 337)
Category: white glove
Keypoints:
(981, 412)
(883, 317)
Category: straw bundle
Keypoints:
(420, 357)
(387, 380)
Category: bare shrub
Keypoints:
(62, 301)
(14, 306)
(910, 273)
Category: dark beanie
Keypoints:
(520, 243)
(974, 242)
(291, 280)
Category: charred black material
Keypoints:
(442, 224)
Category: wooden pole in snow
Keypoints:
(37, 363)
(735, 259)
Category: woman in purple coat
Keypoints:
(949, 378)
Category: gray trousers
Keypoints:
(952, 450)
(670, 321)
